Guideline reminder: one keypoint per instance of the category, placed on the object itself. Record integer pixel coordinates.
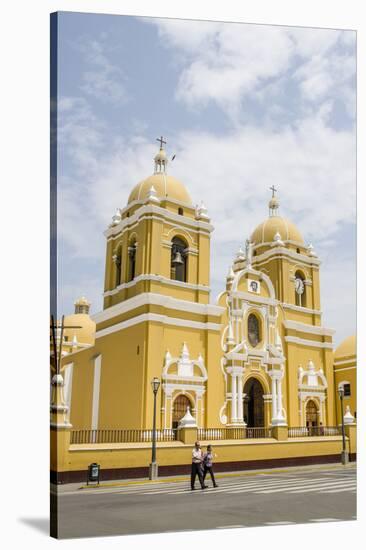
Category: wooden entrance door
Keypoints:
(253, 404)
(179, 409)
(311, 414)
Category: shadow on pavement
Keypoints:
(40, 524)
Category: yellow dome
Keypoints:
(85, 334)
(164, 185)
(266, 231)
(347, 348)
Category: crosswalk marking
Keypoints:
(260, 484)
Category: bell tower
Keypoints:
(278, 249)
(159, 242)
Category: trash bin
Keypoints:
(93, 473)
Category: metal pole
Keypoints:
(344, 456)
(153, 456)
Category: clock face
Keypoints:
(299, 286)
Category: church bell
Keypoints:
(178, 260)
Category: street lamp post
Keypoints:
(153, 469)
(344, 454)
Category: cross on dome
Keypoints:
(274, 190)
(274, 203)
(160, 159)
(161, 139)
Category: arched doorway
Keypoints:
(253, 403)
(180, 405)
(311, 414)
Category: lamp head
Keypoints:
(155, 384)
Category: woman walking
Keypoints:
(208, 463)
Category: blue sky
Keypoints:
(242, 106)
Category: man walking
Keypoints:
(197, 459)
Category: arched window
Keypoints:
(180, 211)
(180, 405)
(254, 332)
(132, 261)
(117, 258)
(300, 291)
(178, 260)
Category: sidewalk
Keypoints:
(114, 484)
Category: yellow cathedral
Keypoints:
(259, 357)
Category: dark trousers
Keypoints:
(209, 469)
(196, 470)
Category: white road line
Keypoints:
(237, 486)
(306, 489)
(350, 489)
(274, 485)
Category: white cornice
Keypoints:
(279, 252)
(303, 327)
(154, 317)
(147, 211)
(158, 300)
(251, 297)
(158, 278)
(141, 202)
(309, 343)
(301, 309)
(344, 368)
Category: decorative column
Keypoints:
(240, 399)
(277, 416)
(234, 414)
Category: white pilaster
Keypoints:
(96, 391)
(240, 399)
(234, 399)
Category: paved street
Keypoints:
(241, 500)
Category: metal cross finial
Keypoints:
(161, 139)
(274, 190)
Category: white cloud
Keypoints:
(102, 79)
(227, 63)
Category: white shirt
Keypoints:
(196, 456)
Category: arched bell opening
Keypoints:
(178, 261)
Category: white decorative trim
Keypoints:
(279, 252)
(345, 368)
(146, 212)
(158, 278)
(158, 300)
(68, 372)
(303, 327)
(96, 391)
(310, 343)
(301, 309)
(159, 319)
(345, 362)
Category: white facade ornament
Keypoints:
(249, 252)
(188, 421)
(348, 418)
(185, 365)
(201, 212)
(117, 217)
(311, 250)
(277, 240)
(152, 195)
(167, 357)
(230, 334)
